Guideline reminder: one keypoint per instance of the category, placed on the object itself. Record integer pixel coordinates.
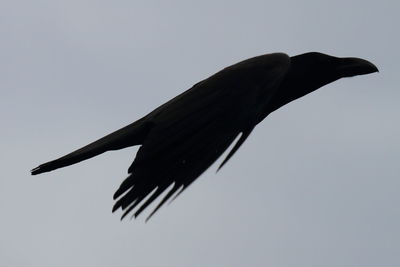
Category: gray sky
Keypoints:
(316, 184)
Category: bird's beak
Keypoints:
(352, 66)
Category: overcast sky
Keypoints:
(316, 184)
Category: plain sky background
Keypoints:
(316, 184)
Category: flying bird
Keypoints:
(180, 139)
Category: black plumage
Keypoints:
(182, 138)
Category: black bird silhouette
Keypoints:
(183, 137)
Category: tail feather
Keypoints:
(130, 135)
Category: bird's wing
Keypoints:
(191, 131)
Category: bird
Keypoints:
(182, 138)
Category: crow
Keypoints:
(183, 137)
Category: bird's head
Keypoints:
(310, 71)
(314, 70)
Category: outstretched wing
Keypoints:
(192, 130)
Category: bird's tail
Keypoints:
(130, 135)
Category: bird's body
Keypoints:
(183, 137)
